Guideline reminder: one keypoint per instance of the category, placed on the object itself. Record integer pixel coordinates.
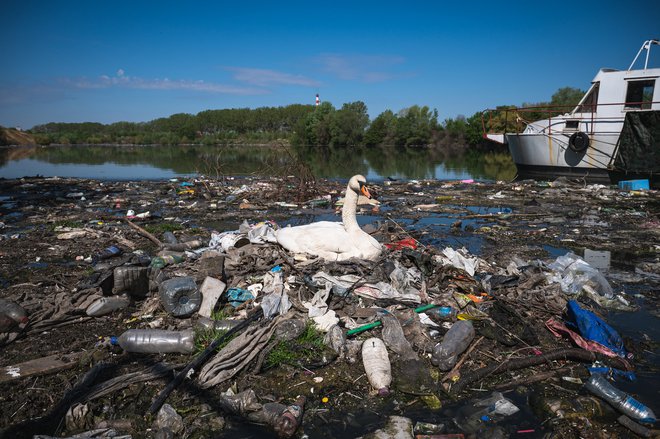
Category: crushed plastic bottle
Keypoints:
(456, 340)
(626, 404)
(395, 339)
(155, 341)
(106, 305)
(216, 325)
(180, 296)
(377, 365)
(11, 315)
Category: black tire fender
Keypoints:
(579, 141)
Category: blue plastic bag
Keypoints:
(592, 327)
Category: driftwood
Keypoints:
(574, 354)
(40, 366)
(533, 379)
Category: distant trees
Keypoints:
(310, 127)
(241, 125)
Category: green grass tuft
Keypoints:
(308, 346)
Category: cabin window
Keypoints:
(572, 124)
(590, 101)
(640, 95)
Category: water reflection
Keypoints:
(158, 162)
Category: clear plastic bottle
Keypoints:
(155, 341)
(456, 340)
(11, 315)
(626, 404)
(377, 365)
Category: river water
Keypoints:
(163, 162)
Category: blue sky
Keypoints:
(76, 61)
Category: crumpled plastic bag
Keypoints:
(459, 259)
(572, 273)
(276, 301)
(259, 233)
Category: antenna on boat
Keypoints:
(646, 46)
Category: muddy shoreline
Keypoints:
(52, 275)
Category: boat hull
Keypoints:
(538, 155)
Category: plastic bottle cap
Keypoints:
(114, 341)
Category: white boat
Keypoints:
(588, 141)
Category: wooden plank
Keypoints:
(39, 366)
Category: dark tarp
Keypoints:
(639, 143)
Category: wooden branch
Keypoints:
(144, 233)
(454, 371)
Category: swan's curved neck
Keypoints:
(348, 210)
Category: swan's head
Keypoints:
(358, 184)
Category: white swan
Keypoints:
(334, 241)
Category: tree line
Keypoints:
(303, 126)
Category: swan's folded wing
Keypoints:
(319, 238)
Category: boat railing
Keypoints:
(545, 118)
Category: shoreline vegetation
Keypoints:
(303, 127)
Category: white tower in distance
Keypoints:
(318, 100)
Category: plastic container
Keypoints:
(377, 365)
(180, 296)
(11, 315)
(634, 185)
(132, 280)
(456, 340)
(626, 404)
(106, 305)
(163, 261)
(155, 341)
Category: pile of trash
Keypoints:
(233, 330)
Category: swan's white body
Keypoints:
(334, 241)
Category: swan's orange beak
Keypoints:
(365, 191)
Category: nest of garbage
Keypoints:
(236, 330)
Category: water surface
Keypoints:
(163, 162)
